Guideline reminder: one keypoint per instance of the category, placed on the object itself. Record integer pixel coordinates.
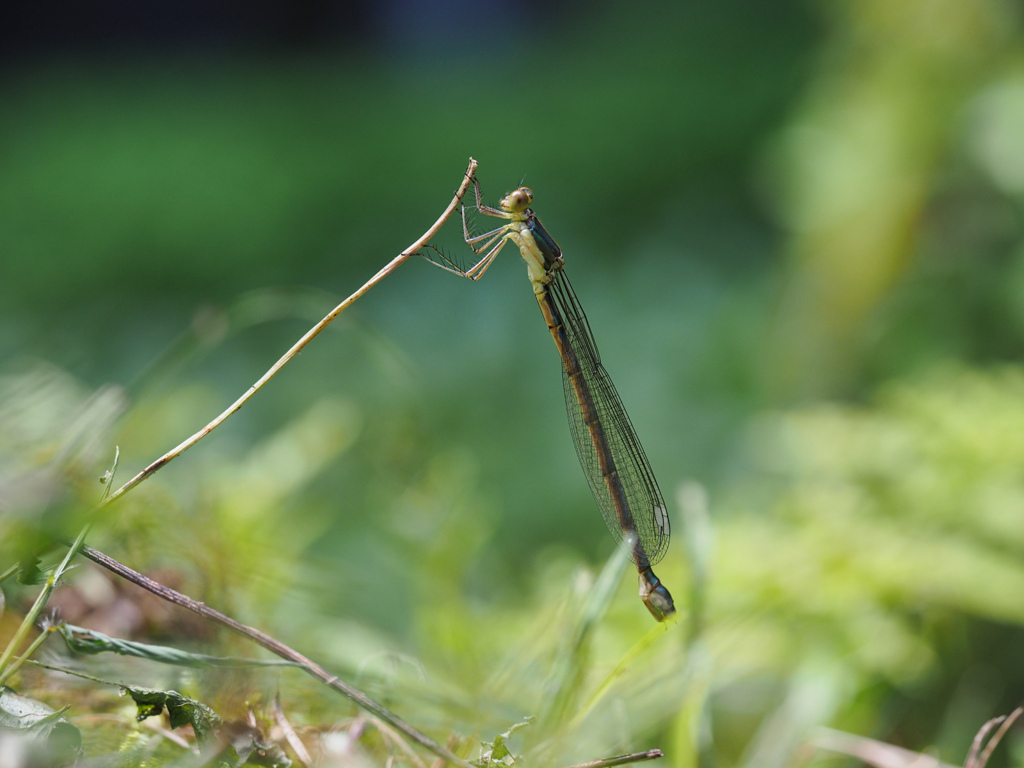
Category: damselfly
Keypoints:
(613, 460)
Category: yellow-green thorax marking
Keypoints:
(540, 251)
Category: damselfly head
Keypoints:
(518, 201)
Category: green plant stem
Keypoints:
(9, 572)
(26, 656)
(37, 607)
(73, 673)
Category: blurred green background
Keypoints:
(798, 233)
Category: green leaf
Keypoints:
(181, 710)
(30, 573)
(81, 640)
(54, 741)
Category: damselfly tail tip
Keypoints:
(657, 599)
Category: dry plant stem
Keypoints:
(301, 753)
(274, 646)
(301, 343)
(873, 752)
(979, 739)
(1007, 721)
(636, 757)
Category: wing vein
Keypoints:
(644, 504)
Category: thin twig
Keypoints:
(274, 646)
(636, 757)
(998, 736)
(299, 345)
(873, 752)
(979, 739)
(301, 753)
(82, 675)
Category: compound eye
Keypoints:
(518, 201)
